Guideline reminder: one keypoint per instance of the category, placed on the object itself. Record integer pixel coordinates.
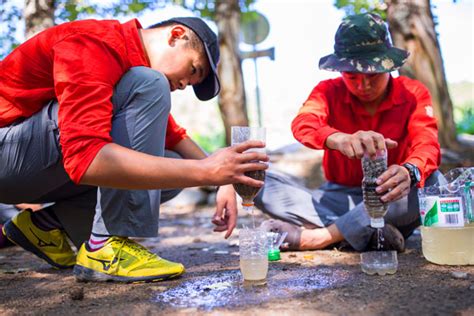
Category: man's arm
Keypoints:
(188, 149)
(424, 150)
(119, 167)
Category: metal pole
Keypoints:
(257, 89)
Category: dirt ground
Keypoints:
(302, 283)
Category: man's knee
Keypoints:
(144, 75)
(144, 83)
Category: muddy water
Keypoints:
(247, 192)
(227, 289)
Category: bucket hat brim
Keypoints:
(392, 59)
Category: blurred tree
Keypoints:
(412, 27)
(38, 15)
(232, 103)
(227, 14)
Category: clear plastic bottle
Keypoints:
(253, 252)
(376, 262)
(373, 167)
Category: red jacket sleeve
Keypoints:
(310, 127)
(174, 133)
(423, 133)
(85, 72)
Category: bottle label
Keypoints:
(442, 211)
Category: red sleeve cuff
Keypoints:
(174, 133)
(173, 139)
(323, 134)
(76, 167)
(425, 171)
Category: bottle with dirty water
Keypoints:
(376, 262)
(447, 231)
(240, 134)
(372, 168)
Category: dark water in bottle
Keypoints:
(372, 169)
(373, 204)
(247, 192)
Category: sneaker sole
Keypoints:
(15, 235)
(84, 274)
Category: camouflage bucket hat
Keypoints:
(362, 44)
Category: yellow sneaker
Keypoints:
(51, 246)
(121, 259)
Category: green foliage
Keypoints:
(136, 6)
(351, 7)
(464, 117)
(210, 143)
(463, 106)
(71, 10)
(249, 17)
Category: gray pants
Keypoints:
(7, 211)
(32, 170)
(285, 198)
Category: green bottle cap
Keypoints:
(274, 255)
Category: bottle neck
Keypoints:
(377, 222)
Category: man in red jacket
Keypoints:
(84, 123)
(363, 111)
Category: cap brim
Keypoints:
(210, 86)
(392, 59)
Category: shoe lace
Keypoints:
(133, 247)
(118, 254)
(139, 250)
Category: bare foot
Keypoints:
(300, 238)
(319, 238)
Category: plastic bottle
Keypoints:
(446, 213)
(373, 167)
(376, 262)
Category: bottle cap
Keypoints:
(377, 222)
(274, 255)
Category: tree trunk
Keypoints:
(232, 96)
(412, 28)
(39, 15)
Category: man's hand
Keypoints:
(225, 217)
(395, 181)
(228, 165)
(354, 145)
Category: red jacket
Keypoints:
(406, 116)
(78, 63)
